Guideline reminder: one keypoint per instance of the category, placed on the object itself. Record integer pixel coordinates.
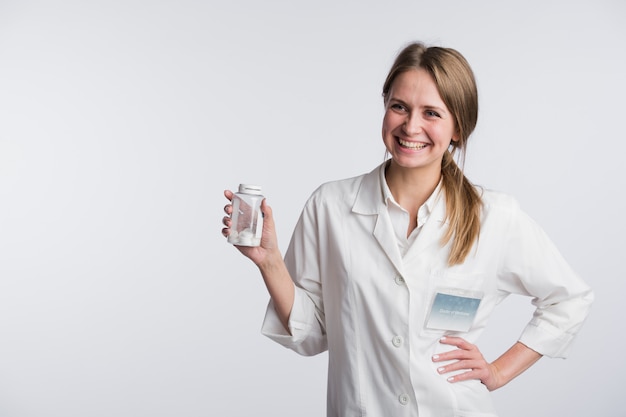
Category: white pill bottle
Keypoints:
(246, 219)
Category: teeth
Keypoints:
(412, 145)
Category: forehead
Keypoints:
(415, 84)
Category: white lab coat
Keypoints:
(359, 298)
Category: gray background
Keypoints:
(121, 123)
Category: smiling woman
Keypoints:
(438, 102)
(402, 242)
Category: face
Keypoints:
(417, 127)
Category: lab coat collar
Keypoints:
(370, 201)
(370, 198)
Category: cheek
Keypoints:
(387, 130)
(389, 123)
(387, 137)
(443, 134)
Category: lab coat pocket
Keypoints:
(473, 399)
(453, 300)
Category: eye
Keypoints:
(432, 113)
(398, 107)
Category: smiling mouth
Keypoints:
(412, 145)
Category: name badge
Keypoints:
(453, 309)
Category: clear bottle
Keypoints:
(246, 218)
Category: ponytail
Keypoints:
(463, 209)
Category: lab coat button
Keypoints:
(404, 399)
(399, 280)
(397, 341)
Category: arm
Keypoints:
(530, 265)
(493, 375)
(280, 286)
(512, 363)
(295, 314)
(305, 331)
(268, 259)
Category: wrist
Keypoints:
(496, 377)
(271, 262)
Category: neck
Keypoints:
(411, 187)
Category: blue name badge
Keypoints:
(453, 309)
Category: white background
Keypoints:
(122, 122)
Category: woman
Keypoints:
(396, 272)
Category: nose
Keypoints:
(412, 125)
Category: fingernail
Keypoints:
(435, 357)
(440, 370)
(451, 379)
(443, 339)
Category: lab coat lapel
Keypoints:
(384, 234)
(432, 231)
(369, 201)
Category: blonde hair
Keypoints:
(457, 87)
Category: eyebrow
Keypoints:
(439, 109)
(428, 106)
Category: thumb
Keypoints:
(268, 239)
(266, 210)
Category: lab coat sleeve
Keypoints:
(306, 335)
(531, 265)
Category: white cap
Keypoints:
(250, 189)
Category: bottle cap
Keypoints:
(250, 189)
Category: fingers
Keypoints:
(226, 220)
(456, 341)
(465, 349)
(473, 367)
(228, 209)
(467, 357)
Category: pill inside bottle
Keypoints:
(246, 218)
